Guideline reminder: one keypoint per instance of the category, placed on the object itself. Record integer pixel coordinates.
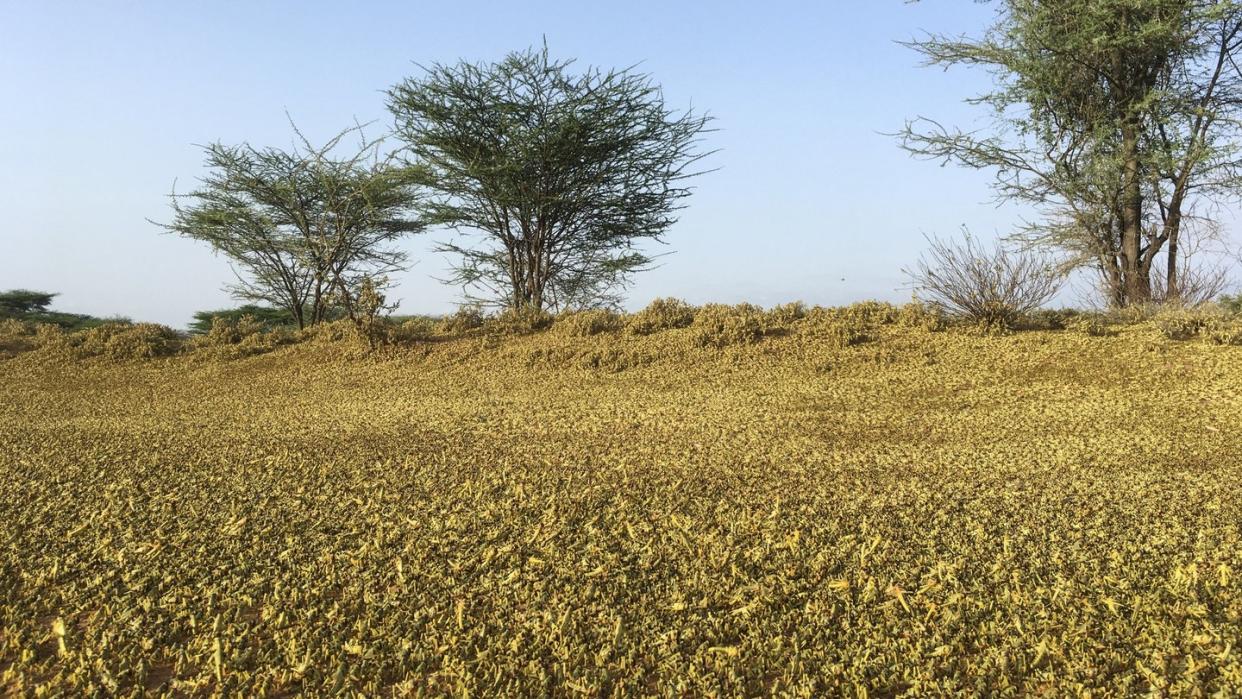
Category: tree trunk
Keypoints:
(1172, 292)
(1135, 279)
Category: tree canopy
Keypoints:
(302, 227)
(561, 174)
(1118, 120)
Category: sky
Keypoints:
(102, 105)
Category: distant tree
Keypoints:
(1118, 120)
(32, 307)
(563, 174)
(16, 303)
(305, 226)
(269, 318)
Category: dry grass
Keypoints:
(617, 514)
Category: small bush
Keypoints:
(992, 288)
(1231, 304)
(415, 328)
(719, 325)
(920, 316)
(661, 314)
(1180, 324)
(868, 313)
(1223, 331)
(1090, 324)
(466, 318)
(593, 321)
(836, 327)
(1048, 319)
(117, 341)
(518, 321)
(781, 319)
(12, 327)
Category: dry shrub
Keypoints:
(12, 327)
(518, 321)
(585, 323)
(1222, 331)
(120, 341)
(1090, 324)
(781, 319)
(1049, 319)
(868, 313)
(15, 337)
(994, 287)
(920, 316)
(466, 318)
(836, 327)
(243, 337)
(661, 314)
(416, 328)
(1181, 324)
(720, 325)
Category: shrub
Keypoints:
(518, 321)
(138, 341)
(661, 314)
(720, 325)
(593, 321)
(1231, 304)
(1091, 324)
(467, 318)
(836, 327)
(781, 319)
(12, 327)
(1223, 331)
(1048, 319)
(415, 328)
(868, 313)
(920, 316)
(228, 330)
(995, 288)
(1180, 324)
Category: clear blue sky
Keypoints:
(101, 104)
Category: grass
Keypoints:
(612, 514)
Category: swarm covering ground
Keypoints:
(922, 514)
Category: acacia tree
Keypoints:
(302, 227)
(1116, 119)
(560, 175)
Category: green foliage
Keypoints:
(32, 307)
(661, 314)
(561, 174)
(267, 317)
(17, 303)
(304, 226)
(1114, 119)
(1231, 304)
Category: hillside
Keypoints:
(554, 514)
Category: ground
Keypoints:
(919, 513)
